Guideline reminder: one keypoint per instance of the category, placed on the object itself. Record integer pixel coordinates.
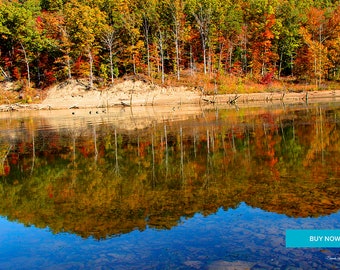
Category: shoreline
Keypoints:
(130, 94)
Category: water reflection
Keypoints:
(240, 238)
(99, 180)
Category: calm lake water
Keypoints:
(177, 188)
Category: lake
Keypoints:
(169, 188)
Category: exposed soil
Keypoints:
(74, 94)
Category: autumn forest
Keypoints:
(43, 41)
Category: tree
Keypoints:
(66, 47)
(44, 40)
(319, 31)
(51, 5)
(109, 38)
(130, 34)
(178, 21)
(54, 24)
(261, 20)
(85, 26)
(227, 23)
(289, 18)
(150, 21)
(19, 29)
(135, 44)
(202, 12)
(333, 44)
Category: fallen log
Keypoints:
(209, 100)
(125, 104)
(233, 100)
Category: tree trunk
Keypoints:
(220, 55)
(244, 53)
(134, 64)
(27, 65)
(111, 65)
(91, 69)
(191, 61)
(176, 16)
(320, 55)
(230, 56)
(4, 73)
(161, 51)
(146, 35)
(177, 50)
(203, 21)
(108, 39)
(280, 65)
(204, 55)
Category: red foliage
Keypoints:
(16, 73)
(79, 66)
(143, 148)
(45, 64)
(7, 169)
(39, 24)
(236, 68)
(39, 20)
(14, 159)
(8, 62)
(267, 78)
(303, 62)
(50, 78)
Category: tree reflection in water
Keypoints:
(282, 161)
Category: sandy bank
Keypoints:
(74, 95)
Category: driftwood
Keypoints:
(283, 95)
(209, 100)
(125, 104)
(305, 97)
(233, 100)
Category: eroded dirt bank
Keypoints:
(74, 95)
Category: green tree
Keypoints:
(289, 18)
(150, 20)
(85, 24)
(20, 29)
(227, 22)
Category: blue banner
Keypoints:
(312, 238)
